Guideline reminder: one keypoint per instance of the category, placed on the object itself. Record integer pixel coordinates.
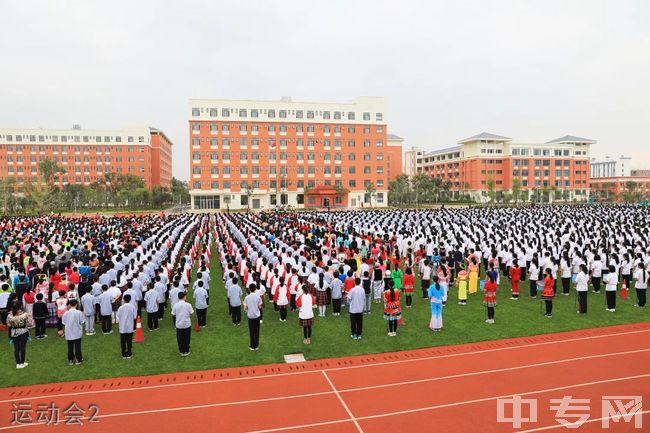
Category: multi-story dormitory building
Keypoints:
(561, 164)
(87, 155)
(260, 154)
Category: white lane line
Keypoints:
(578, 424)
(376, 364)
(345, 406)
(200, 406)
(459, 403)
(335, 390)
(498, 370)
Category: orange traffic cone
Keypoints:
(139, 335)
(624, 291)
(197, 328)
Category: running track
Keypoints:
(448, 389)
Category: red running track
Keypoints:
(448, 389)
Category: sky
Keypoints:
(530, 70)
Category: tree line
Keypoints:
(424, 189)
(43, 195)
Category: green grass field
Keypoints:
(221, 344)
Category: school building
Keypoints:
(557, 169)
(87, 155)
(263, 154)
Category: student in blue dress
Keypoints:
(437, 296)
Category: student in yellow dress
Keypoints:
(473, 275)
(461, 283)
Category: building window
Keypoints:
(225, 112)
(243, 113)
(196, 112)
(337, 115)
(379, 117)
(366, 116)
(214, 112)
(351, 115)
(283, 114)
(310, 114)
(271, 114)
(196, 142)
(326, 115)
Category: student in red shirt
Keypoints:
(490, 297)
(408, 281)
(515, 278)
(548, 293)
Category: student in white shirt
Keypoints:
(126, 316)
(533, 274)
(151, 302)
(596, 273)
(88, 302)
(565, 272)
(73, 321)
(425, 275)
(305, 303)
(182, 312)
(641, 284)
(582, 282)
(611, 280)
(201, 304)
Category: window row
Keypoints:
(255, 170)
(300, 129)
(273, 184)
(284, 114)
(272, 142)
(543, 152)
(71, 138)
(43, 148)
(65, 159)
(284, 156)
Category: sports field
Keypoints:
(221, 344)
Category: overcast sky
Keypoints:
(530, 70)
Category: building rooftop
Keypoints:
(394, 137)
(443, 150)
(485, 136)
(571, 139)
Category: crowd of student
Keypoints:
(289, 260)
(302, 264)
(71, 272)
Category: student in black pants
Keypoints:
(641, 284)
(40, 314)
(611, 281)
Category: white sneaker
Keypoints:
(19, 366)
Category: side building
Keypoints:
(619, 179)
(262, 154)
(557, 169)
(87, 155)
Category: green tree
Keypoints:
(8, 190)
(516, 190)
(399, 190)
(371, 190)
(49, 171)
(340, 191)
(490, 189)
(421, 185)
